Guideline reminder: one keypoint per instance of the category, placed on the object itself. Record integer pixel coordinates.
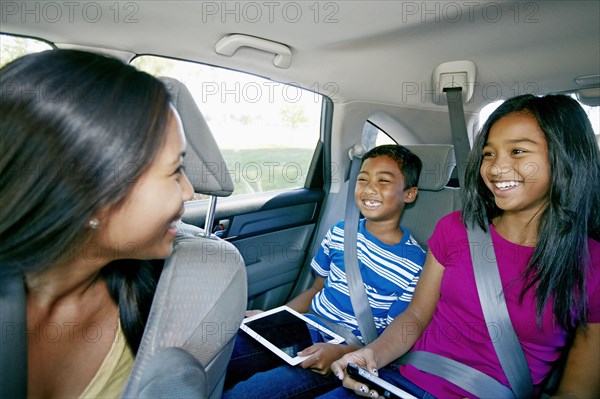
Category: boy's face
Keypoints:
(380, 193)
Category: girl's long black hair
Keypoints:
(77, 130)
(558, 266)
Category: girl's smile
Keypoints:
(505, 188)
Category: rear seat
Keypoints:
(435, 198)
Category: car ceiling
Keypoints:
(371, 50)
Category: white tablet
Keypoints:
(286, 332)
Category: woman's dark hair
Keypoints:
(410, 165)
(558, 266)
(77, 130)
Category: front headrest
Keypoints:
(438, 163)
(204, 163)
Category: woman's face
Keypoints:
(143, 226)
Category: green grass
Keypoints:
(267, 169)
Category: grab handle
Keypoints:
(228, 45)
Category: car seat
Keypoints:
(435, 198)
(202, 292)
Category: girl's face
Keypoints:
(143, 227)
(515, 165)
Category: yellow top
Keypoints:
(110, 379)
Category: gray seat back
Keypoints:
(201, 295)
(435, 198)
(204, 163)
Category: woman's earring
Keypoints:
(94, 224)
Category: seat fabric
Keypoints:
(435, 198)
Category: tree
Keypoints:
(293, 115)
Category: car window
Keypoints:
(267, 131)
(13, 47)
(383, 138)
(373, 136)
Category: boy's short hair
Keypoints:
(409, 164)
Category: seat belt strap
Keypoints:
(461, 375)
(337, 328)
(491, 296)
(356, 288)
(13, 345)
(458, 126)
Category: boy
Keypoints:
(390, 261)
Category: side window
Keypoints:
(267, 131)
(13, 47)
(373, 136)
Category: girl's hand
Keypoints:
(250, 313)
(321, 355)
(363, 358)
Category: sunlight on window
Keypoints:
(267, 130)
(13, 47)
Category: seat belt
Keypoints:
(13, 345)
(458, 126)
(339, 329)
(356, 288)
(491, 295)
(471, 380)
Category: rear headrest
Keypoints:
(204, 163)
(438, 163)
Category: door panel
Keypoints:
(273, 261)
(272, 231)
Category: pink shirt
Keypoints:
(458, 330)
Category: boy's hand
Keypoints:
(321, 355)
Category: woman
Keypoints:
(91, 186)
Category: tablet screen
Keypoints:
(288, 332)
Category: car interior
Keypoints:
(274, 95)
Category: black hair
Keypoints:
(409, 164)
(558, 266)
(77, 130)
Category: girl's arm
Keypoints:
(581, 378)
(404, 330)
(302, 302)
(408, 326)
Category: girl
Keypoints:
(91, 185)
(533, 181)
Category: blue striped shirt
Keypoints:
(389, 272)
